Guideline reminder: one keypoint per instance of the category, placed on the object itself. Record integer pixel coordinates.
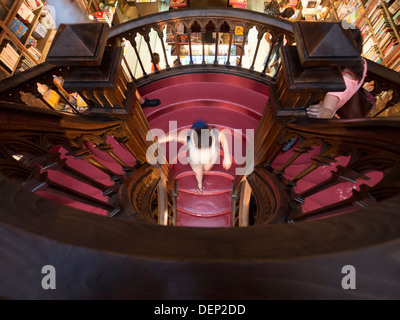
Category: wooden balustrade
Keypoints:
(27, 153)
(369, 146)
(296, 87)
(203, 22)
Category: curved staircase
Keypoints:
(223, 101)
(226, 102)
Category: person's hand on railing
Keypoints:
(318, 111)
(326, 109)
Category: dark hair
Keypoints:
(287, 13)
(198, 126)
(358, 69)
(156, 58)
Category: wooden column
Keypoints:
(162, 200)
(95, 68)
(309, 70)
(245, 194)
(312, 67)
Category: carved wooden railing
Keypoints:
(22, 87)
(31, 139)
(202, 22)
(368, 143)
(386, 84)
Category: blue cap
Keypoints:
(199, 124)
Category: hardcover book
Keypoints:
(18, 28)
(39, 31)
(25, 13)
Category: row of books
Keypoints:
(25, 64)
(9, 56)
(349, 11)
(384, 33)
(197, 50)
(293, 3)
(394, 7)
(394, 63)
(396, 18)
(370, 48)
(343, 9)
(35, 52)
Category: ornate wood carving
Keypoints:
(138, 192)
(271, 197)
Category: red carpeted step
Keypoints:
(223, 88)
(214, 183)
(187, 220)
(118, 149)
(71, 203)
(204, 204)
(214, 78)
(216, 115)
(179, 169)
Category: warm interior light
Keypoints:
(91, 17)
(324, 9)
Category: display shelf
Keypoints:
(28, 49)
(381, 34)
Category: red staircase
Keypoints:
(225, 102)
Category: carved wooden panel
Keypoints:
(271, 197)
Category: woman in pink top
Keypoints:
(353, 77)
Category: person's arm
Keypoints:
(268, 38)
(180, 137)
(326, 109)
(227, 162)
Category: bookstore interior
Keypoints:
(29, 26)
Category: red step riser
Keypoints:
(203, 204)
(154, 113)
(187, 220)
(214, 78)
(214, 116)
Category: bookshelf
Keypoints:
(379, 22)
(196, 50)
(26, 31)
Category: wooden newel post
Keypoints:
(96, 71)
(309, 70)
(312, 67)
